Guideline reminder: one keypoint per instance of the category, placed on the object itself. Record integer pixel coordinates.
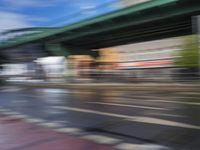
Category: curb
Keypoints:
(121, 87)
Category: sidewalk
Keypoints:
(18, 135)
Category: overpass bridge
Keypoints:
(151, 20)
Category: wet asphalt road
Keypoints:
(171, 119)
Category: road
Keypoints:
(123, 120)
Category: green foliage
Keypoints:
(189, 53)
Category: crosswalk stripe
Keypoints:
(101, 139)
(34, 120)
(50, 124)
(125, 105)
(132, 118)
(69, 130)
(129, 146)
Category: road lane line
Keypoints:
(101, 139)
(164, 114)
(149, 120)
(126, 105)
(164, 122)
(176, 102)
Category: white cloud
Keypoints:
(12, 21)
(16, 4)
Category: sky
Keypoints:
(33, 13)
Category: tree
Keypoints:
(189, 55)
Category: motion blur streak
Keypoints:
(100, 75)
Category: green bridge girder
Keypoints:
(150, 20)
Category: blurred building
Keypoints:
(51, 67)
(109, 57)
(150, 59)
(79, 66)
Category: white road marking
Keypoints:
(60, 91)
(175, 102)
(56, 125)
(34, 120)
(101, 139)
(11, 90)
(11, 113)
(69, 130)
(133, 118)
(128, 146)
(19, 116)
(3, 110)
(163, 114)
(125, 105)
(165, 122)
(50, 124)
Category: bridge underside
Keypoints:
(152, 24)
(152, 20)
(144, 32)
